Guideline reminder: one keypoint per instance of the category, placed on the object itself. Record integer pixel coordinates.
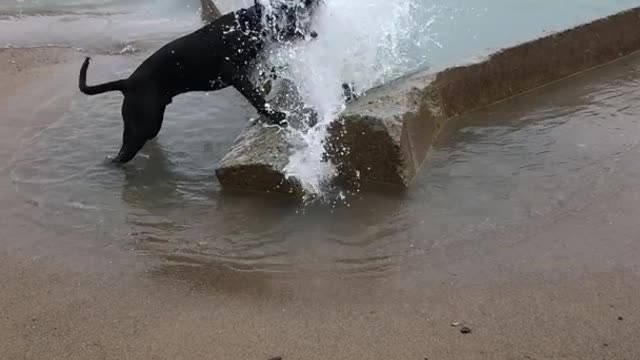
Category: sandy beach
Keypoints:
(562, 287)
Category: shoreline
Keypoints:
(552, 290)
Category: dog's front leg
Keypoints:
(242, 83)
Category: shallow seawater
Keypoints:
(444, 32)
(532, 157)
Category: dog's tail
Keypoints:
(98, 89)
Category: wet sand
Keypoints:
(562, 287)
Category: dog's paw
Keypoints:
(348, 92)
(275, 117)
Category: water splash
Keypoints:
(361, 42)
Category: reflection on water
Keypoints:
(532, 157)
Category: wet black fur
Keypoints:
(218, 55)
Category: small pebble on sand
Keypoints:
(455, 324)
(465, 330)
(620, 318)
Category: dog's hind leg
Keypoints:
(155, 116)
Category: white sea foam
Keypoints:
(361, 42)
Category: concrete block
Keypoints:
(209, 11)
(258, 157)
(385, 136)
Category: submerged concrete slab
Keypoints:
(386, 136)
(258, 157)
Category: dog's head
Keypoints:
(288, 20)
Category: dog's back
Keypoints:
(194, 62)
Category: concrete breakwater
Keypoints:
(209, 11)
(385, 136)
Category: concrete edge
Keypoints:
(209, 11)
(259, 155)
(263, 175)
(535, 63)
(462, 89)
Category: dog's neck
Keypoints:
(279, 25)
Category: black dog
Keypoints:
(218, 55)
